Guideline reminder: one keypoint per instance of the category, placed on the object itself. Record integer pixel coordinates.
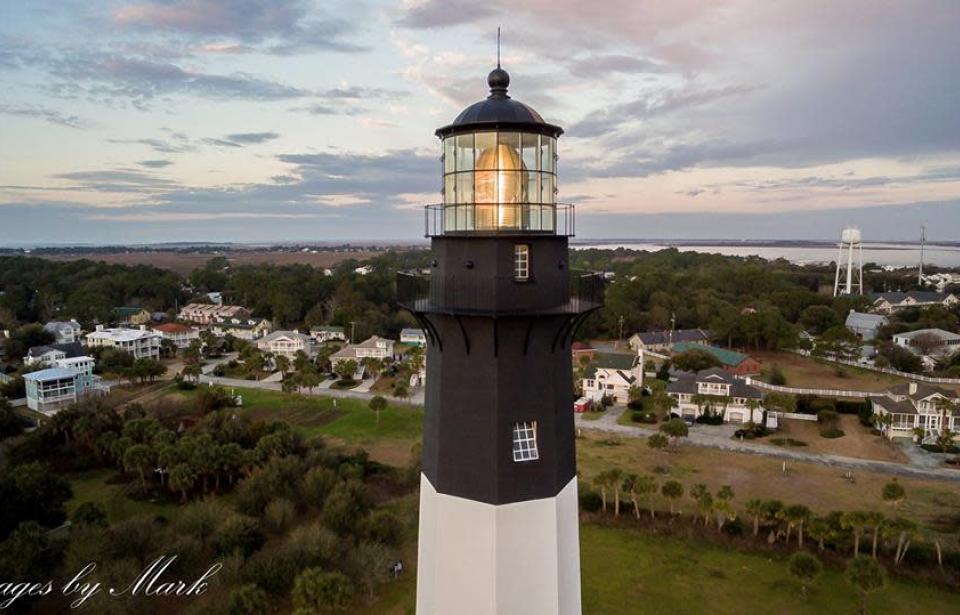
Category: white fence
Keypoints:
(798, 391)
(887, 370)
(797, 416)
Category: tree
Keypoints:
(724, 506)
(756, 508)
(782, 402)
(282, 363)
(378, 403)
(704, 499)
(139, 458)
(805, 568)
(818, 318)
(400, 389)
(182, 479)
(316, 591)
(657, 441)
(31, 492)
(646, 486)
(616, 481)
(248, 599)
(875, 520)
(903, 529)
(855, 521)
(346, 369)
(603, 480)
(796, 516)
(675, 429)
(694, 360)
(867, 576)
(673, 491)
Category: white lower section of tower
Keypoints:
(480, 559)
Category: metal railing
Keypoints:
(499, 219)
(424, 293)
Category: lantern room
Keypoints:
(499, 170)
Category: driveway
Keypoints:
(719, 437)
(416, 398)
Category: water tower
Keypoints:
(499, 526)
(849, 258)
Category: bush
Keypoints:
(590, 501)
(238, 534)
(710, 418)
(847, 406)
(733, 527)
(776, 376)
(933, 448)
(821, 404)
(787, 442)
(639, 416)
(832, 433)
(186, 385)
(751, 432)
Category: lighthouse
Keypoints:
(500, 305)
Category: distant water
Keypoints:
(893, 254)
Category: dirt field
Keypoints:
(858, 441)
(185, 262)
(933, 503)
(806, 372)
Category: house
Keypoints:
(611, 374)
(929, 342)
(327, 333)
(364, 270)
(180, 335)
(47, 355)
(64, 331)
(140, 343)
(716, 390)
(286, 343)
(734, 362)
(131, 315)
(415, 337)
(886, 303)
(55, 388)
(375, 347)
(662, 341)
(863, 325)
(249, 329)
(915, 405)
(208, 313)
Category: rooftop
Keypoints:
(730, 358)
(53, 373)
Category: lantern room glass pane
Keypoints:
(531, 143)
(486, 151)
(465, 152)
(546, 154)
(509, 151)
(449, 189)
(449, 158)
(533, 187)
(547, 188)
(464, 187)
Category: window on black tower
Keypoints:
(525, 441)
(521, 262)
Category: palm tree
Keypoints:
(704, 499)
(724, 506)
(856, 521)
(796, 516)
(139, 458)
(602, 480)
(756, 509)
(282, 363)
(867, 576)
(875, 520)
(903, 530)
(646, 486)
(616, 481)
(182, 479)
(629, 491)
(673, 491)
(805, 568)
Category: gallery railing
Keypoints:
(497, 218)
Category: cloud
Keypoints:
(279, 26)
(155, 164)
(443, 13)
(42, 113)
(595, 66)
(247, 138)
(178, 145)
(117, 181)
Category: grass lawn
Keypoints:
(94, 486)
(627, 571)
(592, 415)
(808, 372)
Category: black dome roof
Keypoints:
(498, 110)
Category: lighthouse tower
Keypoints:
(500, 305)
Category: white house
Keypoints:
(374, 347)
(716, 390)
(929, 342)
(48, 355)
(328, 333)
(181, 335)
(660, 341)
(886, 303)
(140, 343)
(64, 331)
(415, 337)
(612, 375)
(912, 405)
(242, 328)
(286, 343)
(864, 325)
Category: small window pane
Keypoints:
(448, 155)
(521, 261)
(525, 441)
(465, 152)
(531, 143)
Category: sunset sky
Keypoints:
(284, 120)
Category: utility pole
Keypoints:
(621, 328)
(353, 330)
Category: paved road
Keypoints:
(719, 437)
(414, 400)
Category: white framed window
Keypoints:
(521, 261)
(525, 441)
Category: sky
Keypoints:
(130, 121)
